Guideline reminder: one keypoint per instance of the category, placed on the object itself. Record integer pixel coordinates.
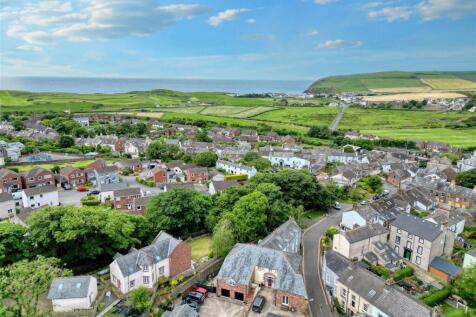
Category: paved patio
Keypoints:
(270, 308)
(218, 307)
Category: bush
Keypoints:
(239, 177)
(402, 273)
(90, 201)
(437, 296)
(380, 271)
(145, 182)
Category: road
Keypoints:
(312, 276)
(338, 117)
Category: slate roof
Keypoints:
(34, 171)
(129, 191)
(107, 169)
(5, 197)
(222, 185)
(160, 249)
(336, 262)
(365, 232)
(70, 287)
(417, 226)
(286, 238)
(39, 190)
(444, 266)
(243, 259)
(181, 311)
(4, 172)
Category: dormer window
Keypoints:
(145, 268)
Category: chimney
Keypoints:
(452, 184)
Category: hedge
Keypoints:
(380, 271)
(402, 273)
(239, 177)
(437, 296)
(145, 182)
(90, 201)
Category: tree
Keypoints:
(65, 141)
(223, 202)
(55, 169)
(261, 164)
(18, 125)
(278, 211)
(374, 183)
(140, 299)
(24, 281)
(79, 234)
(202, 136)
(181, 211)
(465, 285)
(467, 178)
(249, 217)
(223, 237)
(13, 243)
(205, 159)
(165, 152)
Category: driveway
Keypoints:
(130, 181)
(270, 308)
(219, 307)
(312, 276)
(71, 197)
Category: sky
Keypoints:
(232, 39)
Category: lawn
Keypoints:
(79, 164)
(306, 116)
(450, 311)
(201, 247)
(223, 110)
(252, 112)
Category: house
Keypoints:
(333, 265)
(341, 157)
(134, 147)
(469, 258)
(355, 243)
(83, 121)
(467, 164)
(449, 193)
(433, 146)
(20, 216)
(103, 175)
(345, 178)
(236, 169)
(274, 263)
(106, 192)
(123, 198)
(196, 174)
(216, 187)
(73, 293)
(7, 206)
(397, 177)
(419, 199)
(72, 175)
(139, 205)
(444, 270)
(418, 240)
(134, 165)
(97, 164)
(166, 256)
(288, 159)
(360, 292)
(36, 177)
(10, 181)
(40, 196)
(157, 174)
(352, 219)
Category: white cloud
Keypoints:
(324, 1)
(50, 20)
(30, 48)
(454, 9)
(333, 44)
(391, 14)
(227, 15)
(251, 21)
(369, 5)
(310, 33)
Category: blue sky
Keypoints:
(253, 39)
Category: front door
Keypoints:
(269, 281)
(407, 254)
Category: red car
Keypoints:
(200, 290)
(81, 189)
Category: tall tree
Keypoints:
(165, 152)
(14, 245)
(249, 217)
(205, 159)
(22, 283)
(465, 285)
(223, 237)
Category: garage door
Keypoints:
(239, 296)
(225, 292)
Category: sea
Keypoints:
(116, 85)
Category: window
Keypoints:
(285, 300)
(113, 278)
(420, 250)
(146, 279)
(397, 249)
(397, 240)
(421, 240)
(409, 244)
(410, 236)
(343, 292)
(161, 270)
(41, 195)
(132, 283)
(399, 231)
(145, 268)
(31, 197)
(353, 297)
(418, 260)
(366, 307)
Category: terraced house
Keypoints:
(10, 181)
(37, 177)
(72, 176)
(166, 256)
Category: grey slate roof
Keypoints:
(69, 287)
(472, 252)
(181, 311)
(365, 232)
(336, 262)
(286, 237)
(5, 197)
(129, 191)
(160, 249)
(243, 259)
(39, 190)
(222, 185)
(417, 226)
(445, 266)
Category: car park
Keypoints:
(258, 304)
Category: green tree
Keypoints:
(18, 125)
(202, 136)
(55, 169)
(374, 183)
(223, 237)
(65, 141)
(277, 211)
(179, 212)
(165, 152)
(261, 164)
(249, 217)
(205, 159)
(222, 203)
(465, 285)
(22, 283)
(467, 178)
(14, 245)
(140, 299)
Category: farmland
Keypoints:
(413, 96)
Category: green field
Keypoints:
(366, 82)
(306, 116)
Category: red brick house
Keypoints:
(274, 263)
(124, 198)
(196, 174)
(397, 177)
(134, 164)
(97, 164)
(139, 205)
(37, 177)
(72, 175)
(158, 175)
(10, 181)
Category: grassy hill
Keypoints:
(394, 82)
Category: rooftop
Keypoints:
(417, 226)
(70, 287)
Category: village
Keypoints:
(395, 239)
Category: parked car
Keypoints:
(93, 192)
(196, 297)
(66, 186)
(81, 189)
(364, 202)
(194, 305)
(337, 205)
(258, 304)
(200, 290)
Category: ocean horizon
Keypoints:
(118, 85)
